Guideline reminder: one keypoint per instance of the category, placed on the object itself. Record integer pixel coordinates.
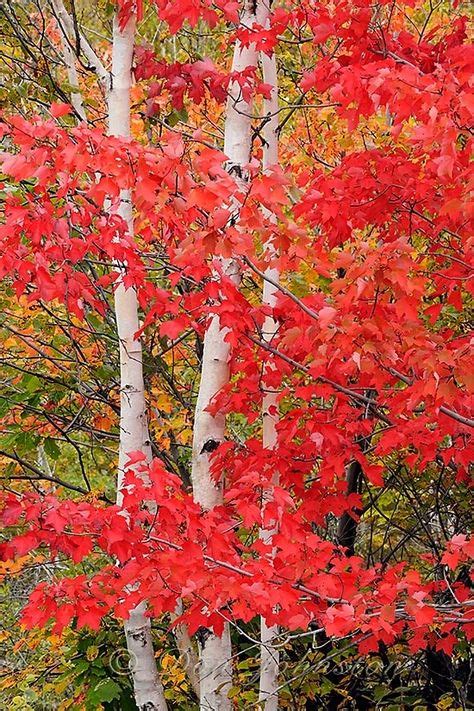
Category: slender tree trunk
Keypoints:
(215, 670)
(347, 525)
(134, 421)
(133, 417)
(188, 655)
(269, 653)
(66, 24)
(73, 79)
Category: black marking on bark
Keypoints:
(235, 168)
(202, 634)
(210, 446)
(148, 706)
(139, 636)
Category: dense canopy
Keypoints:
(236, 354)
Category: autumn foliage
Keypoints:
(369, 216)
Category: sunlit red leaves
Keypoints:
(181, 552)
(75, 224)
(175, 14)
(459, 549)
(375, 64)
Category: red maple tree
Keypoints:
(370, 361)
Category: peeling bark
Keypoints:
(72, 76)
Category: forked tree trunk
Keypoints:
(269, 652)
(215, 668)
(68, 30)
(133, 417)
(72, 77)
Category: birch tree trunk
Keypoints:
(66, 25)
(73, 79)
(215, 669)
(133, 417)
(134, 422)
(269, 653)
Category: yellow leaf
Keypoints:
(92, 652)
(166, 661)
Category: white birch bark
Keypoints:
(269, 652)
(72, 76)
(188, 655)
(215, 668)
(134, 422)
(133, 417)
(66, 25)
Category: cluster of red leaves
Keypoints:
(425, 80)
(59, 210)
(368, 330)
(192, 80)
(175, 551)
(176, 14)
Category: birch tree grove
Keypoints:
(236, 355)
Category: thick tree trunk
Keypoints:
(215, 670)
(133, 417)
(269, 653)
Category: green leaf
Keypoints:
(176, 116)
(8, 440)
(30, 383)
(4, 406)
(105, 690)
(51, 448)
(104, 372)
(127, 702)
